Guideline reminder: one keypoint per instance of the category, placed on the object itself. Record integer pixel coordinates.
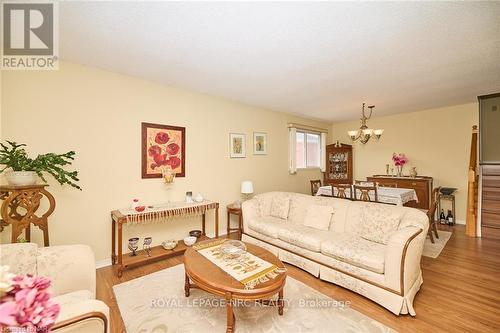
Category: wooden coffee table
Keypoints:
(201, 273)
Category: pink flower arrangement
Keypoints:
(399, 159)
(25, 304)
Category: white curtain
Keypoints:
(292, 168)
(322, 163)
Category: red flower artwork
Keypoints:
(154, 150)
(161, 138)
(162, 146)
(173, 149)
(174, 162)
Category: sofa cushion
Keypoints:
(280, 206)
(318, 217)
(267, 225)
(379, 222)
(20, 257)
(355, 250)
(303, 236)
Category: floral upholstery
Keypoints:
(304, 236)
(356, 251)
(280, 207)
(267, 225)
(318, 217)
(379, 222)
(374, 269)
(20, 259)
(71, 269)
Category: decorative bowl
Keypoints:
(169, 244)
(233, 249)
(195, 233)
(190, 240)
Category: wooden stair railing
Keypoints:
(472, 191)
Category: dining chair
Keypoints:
(364, 183)
(344, 191)
(387, 184)
(364, 193)
(431, 214)
(315, 185)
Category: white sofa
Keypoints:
(72, 271)
(370, 248)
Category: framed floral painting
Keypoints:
(163, 146)
(237, 145)
(259, 143)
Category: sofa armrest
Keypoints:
(83, 317)
(70, 267)
(402, 258)
(250, 210)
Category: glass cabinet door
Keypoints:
(338, 165)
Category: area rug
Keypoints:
(434, 249)
(155, 303)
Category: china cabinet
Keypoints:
(338, 164)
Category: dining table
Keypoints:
(390, 195)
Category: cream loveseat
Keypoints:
(72, 271)
(370, 248)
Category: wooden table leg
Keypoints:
(280, 302)
(230, 314)
(113, 240)
(240, 226)
(120, 259)
(228, 223)
(203, 218)
(45, 228)
(186, 285)
(27, 232)
(217, 221)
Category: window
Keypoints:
(307, 149)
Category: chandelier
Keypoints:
(364, 134)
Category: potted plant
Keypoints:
(21, 170)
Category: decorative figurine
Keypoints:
(147, 245)
(132, 245)
(189, 197)
(198, 198)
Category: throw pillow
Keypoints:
(318, 217)
(280, 207)
(379, 223)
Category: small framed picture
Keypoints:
(237, 145)
(259, 143)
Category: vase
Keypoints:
(21, 178)
(413, 172)
(400, 170)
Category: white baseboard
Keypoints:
(103, 263)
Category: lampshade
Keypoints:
(247, 187)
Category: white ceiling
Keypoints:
(320, 60)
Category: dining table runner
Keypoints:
(391, 195)
(249, 270)
(163, 212)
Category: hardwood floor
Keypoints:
(461, 290)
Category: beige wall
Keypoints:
(436, 141)
(98, 114)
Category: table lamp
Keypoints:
(246, 188)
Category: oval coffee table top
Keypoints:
(213, 279)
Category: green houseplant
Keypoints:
(20, 169)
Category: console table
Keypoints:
(28, 199)
(155, 214)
